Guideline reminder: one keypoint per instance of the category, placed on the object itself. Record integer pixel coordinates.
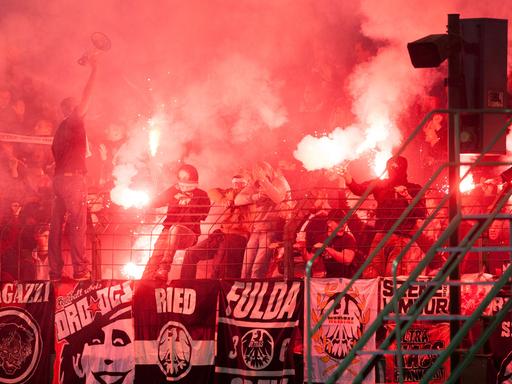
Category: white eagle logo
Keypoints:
(257, 348)
(174, 351)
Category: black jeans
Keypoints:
(226, 250)
(70, 197)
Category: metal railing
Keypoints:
(451, 263)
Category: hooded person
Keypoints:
(187, 206)
(393, 195)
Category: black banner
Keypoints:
(255, 327)
(175, 331)
(26, 332)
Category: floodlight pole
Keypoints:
(455, 84)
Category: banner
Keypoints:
(500, 341)
(343, 327)
(256, 322)
(14, 138)
(438, 304)
(175, 331)
(471, 295)
(420, 336)
(26, 332)
(94, 333)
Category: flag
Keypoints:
(26, 332)
(94, 337)
(175, 331)
(500, 341)
(256, 323)
(343, 327)
(420, 336)
(439, 304)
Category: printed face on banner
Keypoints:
(94, 328)
(108, 356)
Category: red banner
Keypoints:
(420, 336)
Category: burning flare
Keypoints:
(346, 144)
(153, 137)
(132, 271)
(467, 183)
(127, 197)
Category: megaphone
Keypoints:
(100, 43)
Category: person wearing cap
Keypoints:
(226, 244)
(187, 206)
(393, 195)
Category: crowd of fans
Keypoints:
(258, 227)
(25, 168)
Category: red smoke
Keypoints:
(235, 81)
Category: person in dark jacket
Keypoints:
(69, 150)
(393, 195)
(187, 206)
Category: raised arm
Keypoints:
(223, 197)
(276, 190)
(87, 92)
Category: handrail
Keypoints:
(440, 277)
(430, 254)
(467, 326)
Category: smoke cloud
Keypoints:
(385, 85)
(228, 82)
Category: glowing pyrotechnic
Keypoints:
(467, 184)
(132, 271)
(142, 248)
(127, 197)
(153, 137)
(327, 151)
(379, 163)
(122, 194)
(345, 144)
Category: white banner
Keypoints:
(13, 138)
(343, 327)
